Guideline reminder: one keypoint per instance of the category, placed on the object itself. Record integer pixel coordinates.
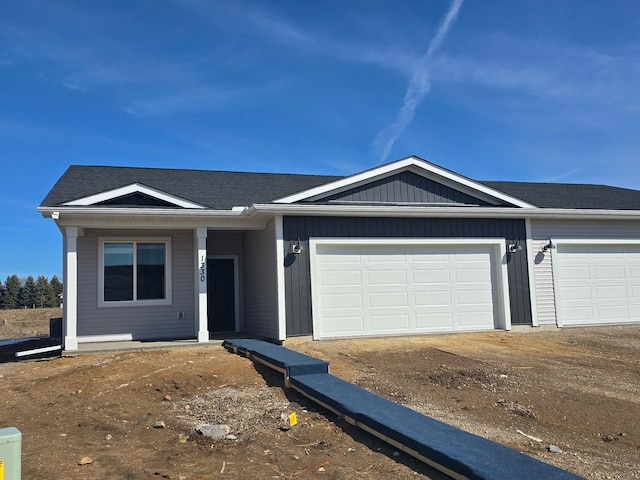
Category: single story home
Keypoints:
(404, 248)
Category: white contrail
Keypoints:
(419, 86)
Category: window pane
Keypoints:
(118, 272)
(151, 271)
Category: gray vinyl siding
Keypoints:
(142, 322)
(260, 283)
(297, 268)
(404, 187)
(567, 229)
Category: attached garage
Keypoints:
(399, 287)
(597, 283)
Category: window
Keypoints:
(135, 272)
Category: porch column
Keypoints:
(70, 288)
(201, 282)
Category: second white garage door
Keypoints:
(597, 284)
(385, 288)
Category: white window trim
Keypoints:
(134, 303)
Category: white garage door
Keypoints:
(597, 284)
(383, 289)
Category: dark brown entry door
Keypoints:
(221, 295)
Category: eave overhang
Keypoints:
(442, 212)
(137, 217)
(256, 216)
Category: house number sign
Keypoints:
(203, 270)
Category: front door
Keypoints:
(221, 295)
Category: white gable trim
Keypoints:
(134, 188)
(410, 163)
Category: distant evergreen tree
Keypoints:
(56, 289)
(11, 292)
(43, 292)
(28, 296)
(1, 295)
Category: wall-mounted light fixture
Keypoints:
(514, 247)
(296, 247)
(548, 245)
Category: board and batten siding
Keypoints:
(297, 267)
(141, 322)
(404, 187)
(260, 282)
(567, 229)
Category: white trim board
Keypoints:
(130, 189)
(280, 276)
(502, 299)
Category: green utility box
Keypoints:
(10, 454)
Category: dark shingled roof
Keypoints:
(222, 190)
(218, 190)
(570, 195)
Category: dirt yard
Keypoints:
(133, 414)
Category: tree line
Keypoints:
(30, 293)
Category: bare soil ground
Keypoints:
(26, 322)
(578, 389)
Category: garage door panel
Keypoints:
(328, 258)
(343, 300)
(346, 325)
(618, 313)
(471, 276)
(342, 278)
(387, 277)
(577, 293)
(389, 323)
(598, 283)
(433, 298)
(385, 256)
(578, 314)
(427, 277)
(389, 299)
(475, 297)
(476, 319)
(405, 289)
(611, 292)
(434, 321)
(576, 273)
(610, 272)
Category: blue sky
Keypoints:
(495, 90)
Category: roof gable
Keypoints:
(216, 190)
(467, 189)
(118, 195)
(406, 187)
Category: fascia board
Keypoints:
(133, 188)
(97, 217)
(440, 212)
(137, 211)
(416, 165)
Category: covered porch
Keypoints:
(212, 283)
